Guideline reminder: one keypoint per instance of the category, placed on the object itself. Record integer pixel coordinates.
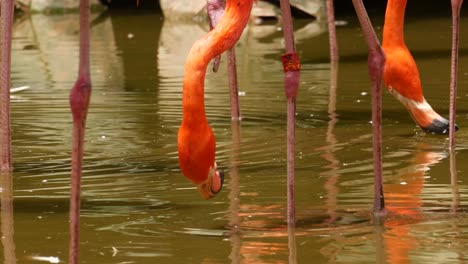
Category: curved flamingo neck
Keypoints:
(394, 23)
(221, 38)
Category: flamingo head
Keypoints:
(439, 126)
(422, 113)
(213, 183)
(428, 119)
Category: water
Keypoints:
(137, 208)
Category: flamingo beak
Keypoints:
(213, 184)
(219, 186)
(439, 126)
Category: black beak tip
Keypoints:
(221, 175)
(439, 127)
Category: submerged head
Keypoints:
(428, 119)
(438, 126)
(213, 183)
(423, 114)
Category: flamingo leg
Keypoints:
(215, 9)
(233, 85)
(79, 101)
(332, 33)
(291, 67)
(334, 57)
(376, 61)
(456, 6)
(7, 10)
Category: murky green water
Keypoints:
(137, 208)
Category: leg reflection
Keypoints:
(252, 225)
(379, 243)
(329, 148)
(234, 198)
(330, 185)
(6, 216)
(292, 243)
(454, 183)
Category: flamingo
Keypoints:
(406, 87)
(79, 102)
(401, 75)
(195, 140)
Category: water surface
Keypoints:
(137, 207)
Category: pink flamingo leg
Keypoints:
(233, 85)
(215, 10)
(79, 101)
(332, 33)
(334, 55)
(376, 63)
(292, 69)
(456, 6)
(5, 130)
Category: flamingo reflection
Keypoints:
(394, 239)
(404, 203)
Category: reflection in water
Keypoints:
(244, 249)
(241, 216)
(234, 196)
(292, 243)
(395, 241)
(129, 44)
(6, 216)
(405, 205)
(332, 172)
(379, 242)
(454, 181)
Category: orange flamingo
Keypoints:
(401, 75)
(196, 141)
